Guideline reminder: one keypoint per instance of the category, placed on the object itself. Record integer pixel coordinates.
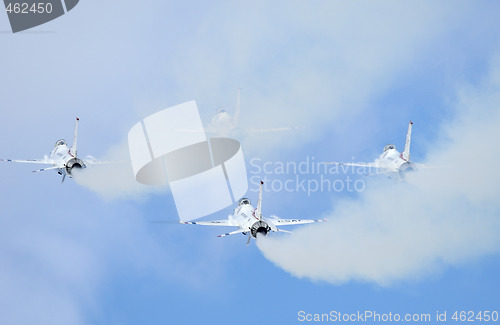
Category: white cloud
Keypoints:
(306, 63)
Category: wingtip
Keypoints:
(261, 183)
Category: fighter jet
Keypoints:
(391, 162)
(250, 221)
(222, 124)
(62, 158)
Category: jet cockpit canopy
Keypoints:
(389, 147)
(61, 142)
(243, 201)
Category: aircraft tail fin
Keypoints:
(75, 139)
(406, 153)
(258, 210)
(236, 116)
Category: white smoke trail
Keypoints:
(439, 216)
(115, 178)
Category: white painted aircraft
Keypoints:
(250, 221)
(222, 124)
(391, 161)
(62, 158)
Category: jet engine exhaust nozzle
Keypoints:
(260, 227)
(74, 163)
(406, 167)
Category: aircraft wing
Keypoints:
(225, 222)
(30, 161)
(91, 160)
(368, 165)
(253, 131)
(287, 222)
(425, 166)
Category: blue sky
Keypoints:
(353, 74)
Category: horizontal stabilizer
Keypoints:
(281, 230)
(44, 169)
(239, 231)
